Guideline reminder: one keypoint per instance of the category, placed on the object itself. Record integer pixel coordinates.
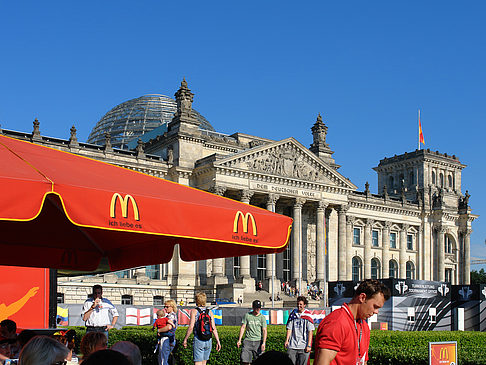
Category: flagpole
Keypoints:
(419, 129)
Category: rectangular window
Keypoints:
(127, 300)
(286, 264)
(448, 275)
(411, 314)
(236, 267)
(153, 271)
(261, 267)
(393, 240)
(123, 274)
(374, 238)
(409, 242)
(356, 236)
(158, 300)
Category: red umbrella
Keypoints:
(65, 211)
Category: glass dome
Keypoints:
(131, 119)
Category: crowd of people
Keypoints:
(341, 338)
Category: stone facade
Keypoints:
(418, 226)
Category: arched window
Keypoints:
(449, 181)
(441, 177)
(448, 244)
(433, 177)
(357, 268)
(375, 268)
(391, 183)
(410, 270)
(393, 269)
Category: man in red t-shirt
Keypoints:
(343, 337)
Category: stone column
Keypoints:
(348, 269)
(245, 260)
(440, 253)
(467, 256)
(403, 252)
(386, 250)
(420, 257)
(218, 264)
(342, 247)
(367, 248)
(296, 242)
(320, 244)
(270, 258)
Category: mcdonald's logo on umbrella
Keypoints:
(124, 206)
(245, 220)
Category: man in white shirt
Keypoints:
(97, 312)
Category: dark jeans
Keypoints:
(97, 329)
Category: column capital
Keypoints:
(440, 228)
(342, 209)
(322, 204)
(350, 220)
(466, 231)
(405, 227)
(272, 198)
(369, 222)
(388, 224)
(299, 202)
(245, 195)
(218, 190)
(420, 229)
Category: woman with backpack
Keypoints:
(203, 327)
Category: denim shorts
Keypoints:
(201, 349)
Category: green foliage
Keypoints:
(386, 347)
(478, 277)
(392, 347)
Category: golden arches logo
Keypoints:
(124, 205)
(245, 220)
(444, 354)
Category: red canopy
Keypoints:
(65, 211)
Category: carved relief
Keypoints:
(285, 162)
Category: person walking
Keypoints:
(300, 328)
(203, 326)
(167, 333)
(97, 312)
(255, 325)
(343, 337)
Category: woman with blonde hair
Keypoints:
(167, 340)
(202, 345)
(43, 350)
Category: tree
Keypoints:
(478, 277)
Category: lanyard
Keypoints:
(358, 337)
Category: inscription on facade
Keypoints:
(285, 190)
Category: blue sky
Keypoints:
(264, 68)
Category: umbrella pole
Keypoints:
(273, 274)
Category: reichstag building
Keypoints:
(417, 227)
